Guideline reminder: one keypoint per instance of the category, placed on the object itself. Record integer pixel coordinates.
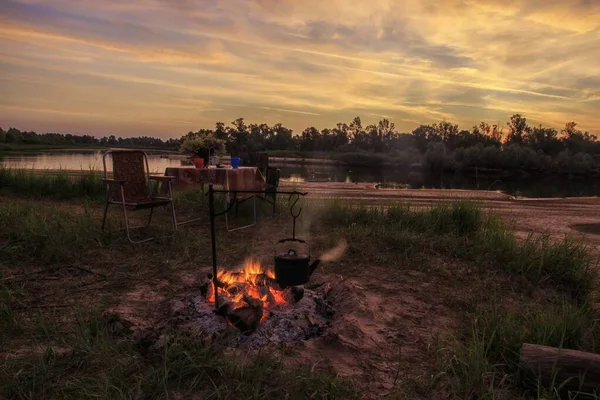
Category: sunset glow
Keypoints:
(165, 67)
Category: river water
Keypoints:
(386, 176)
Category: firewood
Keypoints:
(265, 291)
(570, 370)
(252, 302)
(265, 280)
(225, 306)
(246, 319)
(235, 288)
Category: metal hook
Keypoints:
(294, 204)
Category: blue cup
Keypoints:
(235, 162)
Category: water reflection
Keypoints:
(80, 160)
(402, 178)
(385, 176)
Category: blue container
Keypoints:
(235, 162)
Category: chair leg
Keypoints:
(174, 216)
(127, 223)
(125, 215)
(105, 214)
(173, 207)
(150, 216)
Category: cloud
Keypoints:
(186, 63)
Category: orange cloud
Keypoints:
(184, 64)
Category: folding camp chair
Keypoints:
(131, 188)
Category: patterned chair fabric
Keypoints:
(129, 166)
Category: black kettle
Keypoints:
(292, 263)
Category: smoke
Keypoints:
(336, 253)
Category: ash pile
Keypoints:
(303, 314)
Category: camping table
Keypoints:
(242, 178)
(183, 177)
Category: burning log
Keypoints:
(225, 306)
(246, 319)
(265, 280)
(235, 288)
(266, 292)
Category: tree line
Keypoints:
(15, 136)
(383, 137)
(443, 145)
(439, 146)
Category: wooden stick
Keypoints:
(552, 367)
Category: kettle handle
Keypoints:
(291, 240)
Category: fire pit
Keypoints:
(264, 304)
(252, 303)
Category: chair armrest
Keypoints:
(161, 178)
(112, 181)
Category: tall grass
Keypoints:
(463, 230)
(566, 263)
(460, 217)
(58, 186)
(486, 359)
(45, 233)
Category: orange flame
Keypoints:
(252, 281)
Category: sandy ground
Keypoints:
(578, 216)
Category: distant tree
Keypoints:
(282, 137)
(544, 139)
(112, 140)
(220, 131)
(358, 136)
(341, 135)
(12, 135)
(309, 139)
(577, 141)
(423, 135)
(518, 129)
(570, 131)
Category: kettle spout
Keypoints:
(314, 266)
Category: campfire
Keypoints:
(249, 296)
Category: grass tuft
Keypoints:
(45, 233)
(87, 184)
(486, 359)
(462, 230)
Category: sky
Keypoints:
(165, 67)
